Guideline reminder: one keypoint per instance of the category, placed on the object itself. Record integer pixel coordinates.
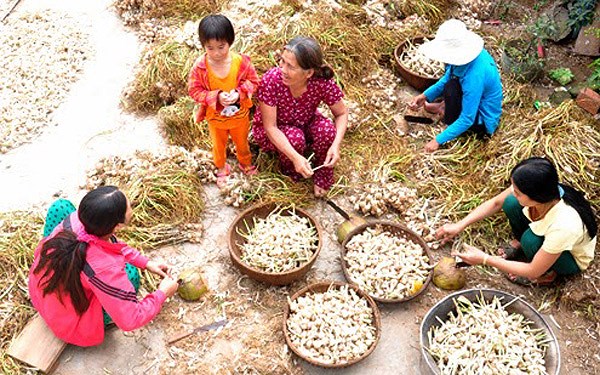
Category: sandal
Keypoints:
(223, 176)
(547, 279)
(509, 252)
(249, 170)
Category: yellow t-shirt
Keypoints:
(227, 83)
(563, 230)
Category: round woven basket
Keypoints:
(321, 287)
(397, 230)
(245, 220)
(414, 79)
(439, 313)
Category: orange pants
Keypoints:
(239, 136)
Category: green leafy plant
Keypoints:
(561, 75)
(520, 59)
(593, 80)
(581, 13)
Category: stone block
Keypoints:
(587, 43)
(589, 100)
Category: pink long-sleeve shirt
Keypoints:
(105, 284)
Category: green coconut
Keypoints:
(192, 285)
(447, 276)
(347, 227)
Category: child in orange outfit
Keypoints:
(222, 83)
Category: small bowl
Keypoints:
(235, 239)
(441, 310)
(323, 287)
(397, 230)
(414, 79)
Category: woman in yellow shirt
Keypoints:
(553, 225)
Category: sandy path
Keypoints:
(90, 124)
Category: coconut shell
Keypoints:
(192, 284)
(347, 227)
(447, 276)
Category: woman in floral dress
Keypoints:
(288, 122)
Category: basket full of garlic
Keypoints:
(487, 331)
(417, 70)
(331, 324)
(274, 244)
(388, 261)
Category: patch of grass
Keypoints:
(20, 233)
(165, 192)
(137, 11)
(179, 125)
(163, 78)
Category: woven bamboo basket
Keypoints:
(414, 79)
(235, 240)
(397, 230)
(321, 287)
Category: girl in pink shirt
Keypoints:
(79, 272)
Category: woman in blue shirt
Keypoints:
(470, 88)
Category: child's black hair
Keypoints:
(217, 27)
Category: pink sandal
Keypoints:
(223, 176)
(249, 170)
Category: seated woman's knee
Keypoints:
(296, 138)
(511, 205)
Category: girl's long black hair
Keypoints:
(62, 257)
(538, 179)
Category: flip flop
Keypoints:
(547, 279)
(222, 177)
(249, 170)
(511, 253)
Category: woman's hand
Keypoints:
(168, 286)
(159, 269)
(432, 145)
(447, 232)
(302, 166)
(471, 255)
(333, 155)
(417, 102)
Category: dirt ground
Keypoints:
(252, 341)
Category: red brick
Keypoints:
(589, 100)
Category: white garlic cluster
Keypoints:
(386, 265)
(333, 327)
(484, 338)
(283, 241)
(378, 197)
(383, 86)
(123, 170)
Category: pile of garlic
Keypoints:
(481, 337)
(376, 198)
(281, 242)
(332, 327)
(386, 265)
(382, 86)
(123, 170)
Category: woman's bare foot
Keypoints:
(437, 108)
(320, 192)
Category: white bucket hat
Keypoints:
(453, 44)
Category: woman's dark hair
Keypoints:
(217, 27)
(62, 257)
(538, 179)
(309, 56)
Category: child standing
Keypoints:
(222, 83)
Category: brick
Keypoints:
(589, 100)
